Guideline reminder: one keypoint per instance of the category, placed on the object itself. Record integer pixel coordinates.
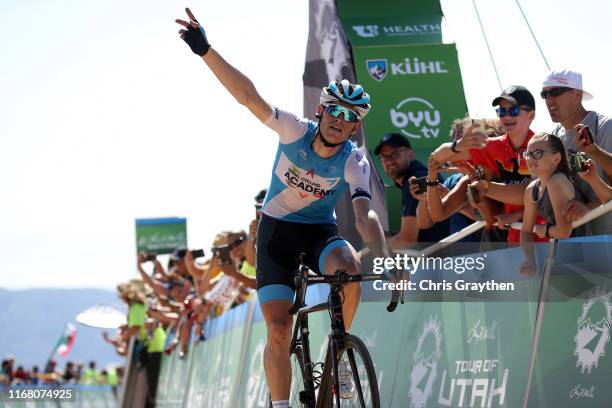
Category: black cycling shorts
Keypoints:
(279, 245)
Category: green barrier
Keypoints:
(573, 366)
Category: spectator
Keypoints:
(444, 203)
(70, 374)
(551, 190)
(91, 375)
(34, 376)
(563, 93)
(500, 155)
(399, 164)
(21, 375)
(137, 310)
(155, 347)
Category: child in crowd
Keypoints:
(548, 194)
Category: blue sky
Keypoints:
(106, 116)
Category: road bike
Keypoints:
(347, 374)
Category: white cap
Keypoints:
(568, 79)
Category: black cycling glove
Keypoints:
(196, 40)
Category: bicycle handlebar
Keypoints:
(302, 279)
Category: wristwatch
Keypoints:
(432, 183)
(547, 230)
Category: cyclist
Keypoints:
(314, 164)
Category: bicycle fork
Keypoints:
(336, 336)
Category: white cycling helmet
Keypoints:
(352, 94)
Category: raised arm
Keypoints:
(237, 84)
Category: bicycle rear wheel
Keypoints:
(298, 396)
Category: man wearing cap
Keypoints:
(398, 161)
(563, 92)
(502, 155)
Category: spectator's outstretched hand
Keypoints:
(193, 34)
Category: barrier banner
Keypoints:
(574, 355)
(161, 235)
(391, 22)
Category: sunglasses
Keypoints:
(337, 110)
(513, 111)
(554, 92)
(392, 156)
(536, 154)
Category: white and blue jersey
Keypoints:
(306, 187)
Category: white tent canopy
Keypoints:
(103, 316)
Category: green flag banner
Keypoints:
(161, 235)
(416, 91)
(391, 22)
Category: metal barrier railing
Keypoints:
(443, 243)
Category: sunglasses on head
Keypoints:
(554, 92)
(337, 110)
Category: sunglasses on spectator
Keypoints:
(392, 156)
(554, 92)
(536, 154)
(513, 111)
(337, 110)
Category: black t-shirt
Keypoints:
(409, 205)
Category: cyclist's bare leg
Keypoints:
(276, 355)
(346, 258)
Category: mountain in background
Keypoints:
(32, 321)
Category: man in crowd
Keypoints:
(501, 155)
(563, 93)
(398, 161)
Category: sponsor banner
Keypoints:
(416, 91)
(370, 31)
(391, 22)
(161, 235)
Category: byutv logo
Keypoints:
(416, 118)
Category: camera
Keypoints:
(149, 256)
(196, 253)
(223, 253)
(578, 162)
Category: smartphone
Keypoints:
(422, 183)
(578, 162)
(479, 127)
(585, 135)
(223, 253)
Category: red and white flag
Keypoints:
(66, 341)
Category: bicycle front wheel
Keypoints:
(357, 383)
(299, 397)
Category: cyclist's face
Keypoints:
(336, 129)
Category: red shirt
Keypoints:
(509, 166)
